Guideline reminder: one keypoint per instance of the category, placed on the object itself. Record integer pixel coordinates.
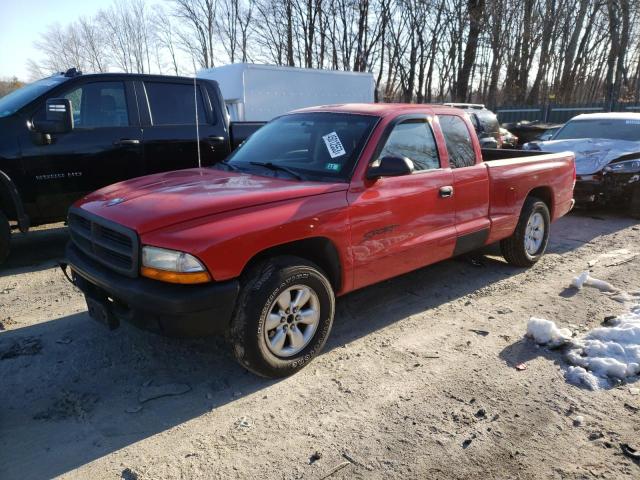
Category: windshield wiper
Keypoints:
(228, 165)
(275, 167)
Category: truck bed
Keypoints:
(514, 174)
(491, 154)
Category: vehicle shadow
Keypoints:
(70, 389)
(37, 250)
(581, 226)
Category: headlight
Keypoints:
(172, 266)
(630, 166)
(531, 146)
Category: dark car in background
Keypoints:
(70, 134)
(509, 140)
(607, 149)
(527, 131)
(485, 123)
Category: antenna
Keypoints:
(195, 102)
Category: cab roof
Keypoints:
(381, 109)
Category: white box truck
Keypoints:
(258, 93)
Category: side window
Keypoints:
(413, 139)
(96, 105)
(99, 104)
(458, 141)
(173, 104)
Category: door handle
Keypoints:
(127, 141)
(215, 139)
(446, 191)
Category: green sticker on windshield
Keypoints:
(334, 167)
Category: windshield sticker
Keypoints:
(334, 167)
(334, 145)
(632, 122)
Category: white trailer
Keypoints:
(261, 92)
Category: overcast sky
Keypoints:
(24, 20)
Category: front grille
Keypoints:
(111, 244)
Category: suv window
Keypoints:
(413, 139)
(488, 121)
(173, 104)
(458, 141)
(96, 105)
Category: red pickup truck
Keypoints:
(316, 204)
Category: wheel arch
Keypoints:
(11, 203)
(544, 193)
(319, 250)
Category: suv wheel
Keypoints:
(529, 240)
(283, 316)
(5, 237)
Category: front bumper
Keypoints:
(610, 188)
(177, 310)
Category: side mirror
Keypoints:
(390, 167)
(59, 117)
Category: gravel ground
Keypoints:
(418, 380)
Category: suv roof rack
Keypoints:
(474, 106)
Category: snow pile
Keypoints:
(602, 356)
(545, 332)
(586, 280)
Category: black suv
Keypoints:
(64, 136)
(485, 122)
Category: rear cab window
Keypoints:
(458, 141)
(175, 104)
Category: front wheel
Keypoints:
(529, 240)
(283, 316)
(5, 238)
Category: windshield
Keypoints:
(14, 101)
(614, 129)
(318, 146)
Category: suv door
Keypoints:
(104, 146)
(404, 222)
(168, 110)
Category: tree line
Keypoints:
(491, 51)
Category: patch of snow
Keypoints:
(601, 357)
(586, 280)
(583, 378)
(545, 332)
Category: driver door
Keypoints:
(403, 223)
(103, 147)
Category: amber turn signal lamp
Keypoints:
(189, 278)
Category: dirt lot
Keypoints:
(405, 388)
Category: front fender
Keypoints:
(228, 241)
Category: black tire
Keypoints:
(5, 238)
(260, 288)
(634, 206)
(513, 248)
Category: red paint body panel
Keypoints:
(379, 228)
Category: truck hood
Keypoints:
(158, 201)
(592, 154)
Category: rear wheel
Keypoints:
(529, 240)
(5, 237)
(634, 207)
(283, 316)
